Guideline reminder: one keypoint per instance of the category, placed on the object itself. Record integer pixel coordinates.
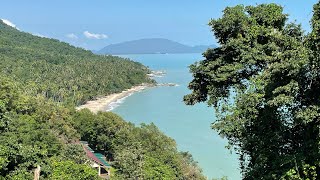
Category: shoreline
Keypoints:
(103, 103)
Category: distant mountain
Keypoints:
(56, 67)
(151, 46)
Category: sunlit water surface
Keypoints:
(188, 125)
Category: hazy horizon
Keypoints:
(96, 24)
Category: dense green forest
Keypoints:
(264, 83)
(41, 80)
(62, 72)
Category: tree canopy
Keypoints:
(135, 152)
(41, 80)
(264, 82)
(63, 72)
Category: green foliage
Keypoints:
(19, 175)
(62, 72)
(32, 132)
(136, 152)
(70, 170)
(155, 169)
(308, 171)
(39, 125)
(264, 84)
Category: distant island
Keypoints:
(152, 46)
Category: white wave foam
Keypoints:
(116, 103)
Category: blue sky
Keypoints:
(93, 24)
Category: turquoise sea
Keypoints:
(188, 125)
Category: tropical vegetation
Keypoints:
(62, 72)
(264, 83)
(41, 81)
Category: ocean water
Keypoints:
(188, 125)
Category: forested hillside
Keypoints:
(36, 129)
(62, 72)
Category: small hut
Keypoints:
(98, 161)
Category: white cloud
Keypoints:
(39, 35)
(9, 23)
(72, 36)
(89, 35)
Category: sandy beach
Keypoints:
(101, 104)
